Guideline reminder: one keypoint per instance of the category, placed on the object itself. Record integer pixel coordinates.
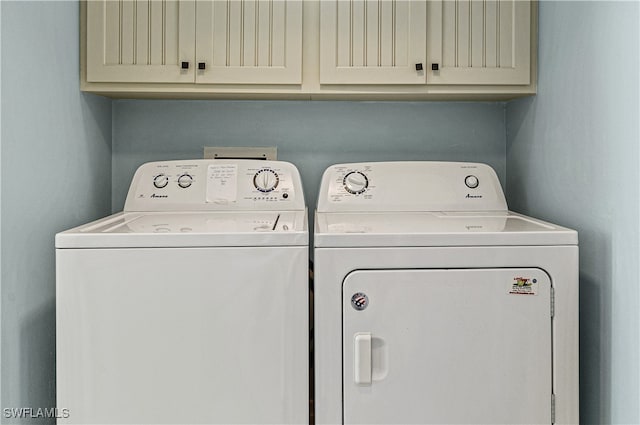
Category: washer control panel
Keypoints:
(410, 186)
(214, 185)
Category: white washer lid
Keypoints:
(190, 229)
(391, 229)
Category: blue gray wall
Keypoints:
(312, 135)
(55, 173)
(572, 158)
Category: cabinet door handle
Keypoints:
(435, 67)
(419, 66)
(185, 65)
(202, 65)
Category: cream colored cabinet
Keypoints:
(194, 41)
(136, 41)
(479, 41)
(372, 41)
(430, 41)
(310, 49)
(249, 41)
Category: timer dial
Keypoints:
(355, 182)
(160, 181)
(185, 180)
(266, 180)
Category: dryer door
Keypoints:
(447, 346)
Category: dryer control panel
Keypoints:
(410, 186)
(215, 185)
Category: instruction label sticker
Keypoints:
(222, 183)
(523, 286)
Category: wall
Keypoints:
(312, 135)
(572, 158)
(55, 173)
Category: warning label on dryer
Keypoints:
(523, 286)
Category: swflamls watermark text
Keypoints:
(34, 413)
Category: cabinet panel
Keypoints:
(249, 41)
(372, 41)
(479, 41)
(140, 41)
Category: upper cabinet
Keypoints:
(372, 41)
(479, 42)
(249, 41)
(132, 41)
(340, 49)
(189, 41)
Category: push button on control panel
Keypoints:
(471, 181)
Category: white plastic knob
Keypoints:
(160, 181)
(265, 180)
(185, 180)
(355, 182)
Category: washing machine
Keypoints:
(191, 305)
(436, 304)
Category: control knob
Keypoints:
(185, 180)
(471, 181)
(266, 180)
(355, 182)
(160, 181)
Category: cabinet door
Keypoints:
(142, 41)
(372, 41)
(249, 41)
(479, 42)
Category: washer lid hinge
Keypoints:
(553, 408)
(553, 302)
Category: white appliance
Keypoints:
(435, 304)
(191, 306)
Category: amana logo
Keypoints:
(158, 196)
(469, 196)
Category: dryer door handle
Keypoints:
(362, 358)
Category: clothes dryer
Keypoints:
(191, 305)
(435, 304)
